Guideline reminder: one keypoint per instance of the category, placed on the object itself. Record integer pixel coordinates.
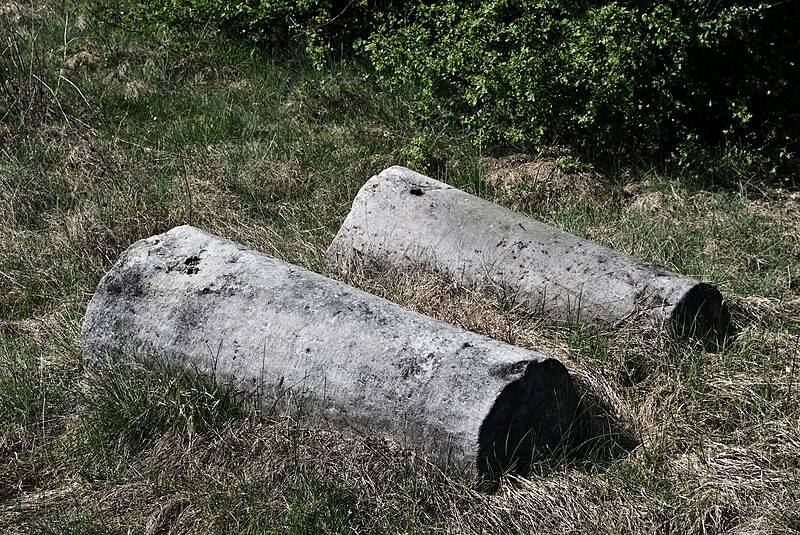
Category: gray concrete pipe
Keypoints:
(192, 300)
(402, 219)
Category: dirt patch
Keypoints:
(640, 197)
(651, 201)
(780, 206)
(519, 175)
(136, 89)
(82, 61)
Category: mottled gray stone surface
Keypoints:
(192, 300)
(402, 219)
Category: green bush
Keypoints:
(607, 78)
(681, 79)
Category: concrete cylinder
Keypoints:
(192, 300)
(402, 219)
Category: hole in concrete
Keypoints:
(703, 315)
(416, 191)
(191, 265)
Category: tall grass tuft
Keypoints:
(129, 407)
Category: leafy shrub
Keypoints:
(682, 79)
(607, 78)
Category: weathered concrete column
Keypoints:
(192, 300)
(403, 219)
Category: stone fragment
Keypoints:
(402, 219)
(190, 300)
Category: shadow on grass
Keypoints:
(599, 434)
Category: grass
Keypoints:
(108, 137)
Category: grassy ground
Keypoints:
(107, 137)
